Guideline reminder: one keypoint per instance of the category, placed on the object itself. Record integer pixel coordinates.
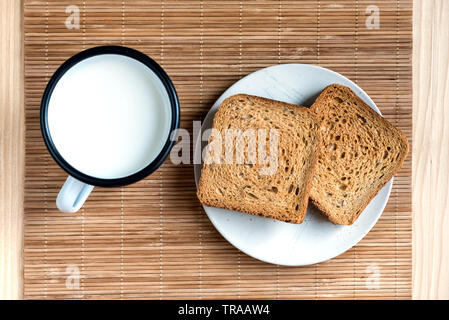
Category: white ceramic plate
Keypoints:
(316, 239)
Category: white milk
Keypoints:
(109, 116)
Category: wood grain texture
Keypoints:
(431, 150)
(152, 239)
(11, 148)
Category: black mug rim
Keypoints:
(174, 125)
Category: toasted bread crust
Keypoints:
(321, 105)
(220, 186)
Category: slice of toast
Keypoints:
(281, 194)
(360, 153)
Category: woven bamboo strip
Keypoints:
(152, 239)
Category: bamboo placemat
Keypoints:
(153, 239)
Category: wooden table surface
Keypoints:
(430, 149)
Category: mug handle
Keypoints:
(72, 195)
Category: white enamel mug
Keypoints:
(107, 118)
